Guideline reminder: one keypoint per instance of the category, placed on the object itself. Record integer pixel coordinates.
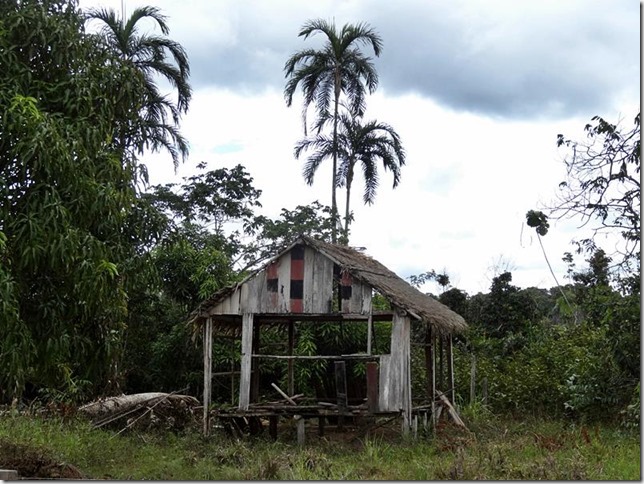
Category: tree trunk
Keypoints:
(347, 212)
(334, 204)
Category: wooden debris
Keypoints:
(289, 399)
(170, 410)
(450, 409)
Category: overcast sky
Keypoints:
(477, 90)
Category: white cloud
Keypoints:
(477, 91)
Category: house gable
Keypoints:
(300, 280)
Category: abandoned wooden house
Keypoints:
(314, 283)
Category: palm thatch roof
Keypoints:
(399, 292)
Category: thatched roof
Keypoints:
(363, 267)
(394, 288)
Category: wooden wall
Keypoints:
(300, 281)
(395, 374)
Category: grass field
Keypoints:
(495, 449)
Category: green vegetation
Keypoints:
(498, 449)
(338, 73)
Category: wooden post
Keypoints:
(432, 347)
(369, 333)
(232, 380)
(301, 435)
(441, 367)
(207, 374)
(254, 387)
(429, 388)
(341, 390)
(450, 370)
(291, 344)
(372, 386)
(246, 359)
(473, 380)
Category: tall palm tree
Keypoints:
(337, 68)
(367, 144)
(151, 55)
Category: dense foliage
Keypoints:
(68, 199)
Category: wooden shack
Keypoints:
(312, 281)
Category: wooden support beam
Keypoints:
(254, 386)
(450, 370)
(279, 390)
(301, 435)
(291, 344)
(320, 357)
(207, 374)
(441, 367)
(433, 378)
(372, 386)
(246, 359)
(429, 389)
(341, 390)
(369, 333)
(232, 377)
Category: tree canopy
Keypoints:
(602, 187)
(73, 230)
(338, 69)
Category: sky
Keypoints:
(477, 90)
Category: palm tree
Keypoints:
(366, 144)
(337, 68)
(150, 55)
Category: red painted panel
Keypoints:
(346, 278)
(271, 271)
(296, 305)
(297, 269)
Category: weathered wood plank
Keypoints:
(451, 410)
(396, 377)
(385, 381)
(360, 301)
(279, 390)
(246, 361)
(369, 333)
(322, 284)
(450, 369)
(341, 390)
(291, 369)
(318, 357)
(309, 276)
(301, 432)
(432, 348)
(254, 366)
(284, 284)
(207, 374)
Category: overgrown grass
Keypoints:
(496, 449)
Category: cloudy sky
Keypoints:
(477, 90)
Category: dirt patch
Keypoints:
(30, 461)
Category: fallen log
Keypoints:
(171, 407)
